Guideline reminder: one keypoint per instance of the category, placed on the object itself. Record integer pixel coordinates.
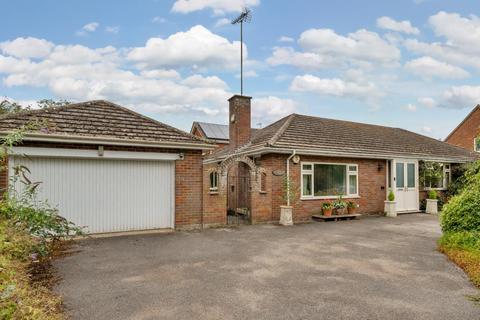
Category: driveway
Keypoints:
(373, 268)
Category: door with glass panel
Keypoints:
(406, 184)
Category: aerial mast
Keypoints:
(245, 16)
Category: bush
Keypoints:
(432, 195)
(391, 196)
(463, 240)
(462, 212)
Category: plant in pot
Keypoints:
(390, 205)
(351, 207)
(327, 209)
(432, 202)
(340, 206)
(290, 194)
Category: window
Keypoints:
(213, 181)
(476, 144)
(434, 175)
(263, 182)
(326, 180)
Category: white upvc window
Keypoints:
(476, 144)
(328, 180)
(435, 175)
(213, 181)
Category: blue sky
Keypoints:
(412, 64)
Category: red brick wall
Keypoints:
(188, 178)
(239, 130)
(372, 187)
(214, 203)
(464, 135)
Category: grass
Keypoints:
(463, 248)
(24, 285)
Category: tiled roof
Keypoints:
(351, 139)
(98, 119)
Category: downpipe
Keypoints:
(288, 175)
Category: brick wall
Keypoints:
(239, 129)
(188, 178)
(372, 187)
(465, 134)
(214, 202)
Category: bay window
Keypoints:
(326, 180)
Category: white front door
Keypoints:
(405, 182)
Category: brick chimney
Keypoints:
(239, 120)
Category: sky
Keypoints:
(412, 64)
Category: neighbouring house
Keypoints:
(214, 132)
(322, 159)
(109, 168)
(466, 134)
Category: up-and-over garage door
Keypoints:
(106, 195)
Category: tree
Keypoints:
(50, 103)
(7, 106)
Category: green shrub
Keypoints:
(432, 194)
(327, 205)
(464, 240)
(462, 212)
(391, 196)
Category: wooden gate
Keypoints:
(239, 199)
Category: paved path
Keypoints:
(374, 268)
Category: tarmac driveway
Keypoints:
(373, 268)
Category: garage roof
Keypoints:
(100, 119)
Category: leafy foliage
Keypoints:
(432, 194)
(462, 212)
(391, 196)
(7, 106)
(290, 190)
(49, 103)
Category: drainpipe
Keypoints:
(288, 176)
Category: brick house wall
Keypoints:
(372, 187)
(464, 135)
(188, 178)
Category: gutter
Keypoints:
(114, 141)
(313, 152)
(288, 176)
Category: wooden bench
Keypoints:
(336, 217)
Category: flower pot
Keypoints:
(432, 206)
(286, 215)
(340, 211)
(390, 209)
(352, 210)
(327, 212)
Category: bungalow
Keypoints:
(323, 159)
(109, 168)
(466, 134)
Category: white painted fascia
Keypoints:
(114, 141)
(93, 154)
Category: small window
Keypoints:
(307, 167)
(477, 144)
(213, 181)
(263, 182)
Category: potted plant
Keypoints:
(391, 205)
(432, 202)
(327, 209)
(290, 192)
(340, 206)
(351, 207)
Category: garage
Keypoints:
(108, 168)
(121, 191)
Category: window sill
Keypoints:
(329, 197)
(262, 192)
(213, 193)
(436, 189)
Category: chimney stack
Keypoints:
(239, 120)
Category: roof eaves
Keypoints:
(281, 130)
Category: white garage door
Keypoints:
(107, 195)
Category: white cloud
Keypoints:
(111, 29)
(218, 6)
(268, 109)
(460, 97)
(334, 87)
(303, 60)
(361, 45)
(27, 47)
(426, 129)
(222, 22)
(248, 74)
(90, 27)
(427, 102)
(427, 67)
(285, 39)
(195, 48)
(399, 26)
(160, 73)
(158, 19)
(411, 107)
(324, 48)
